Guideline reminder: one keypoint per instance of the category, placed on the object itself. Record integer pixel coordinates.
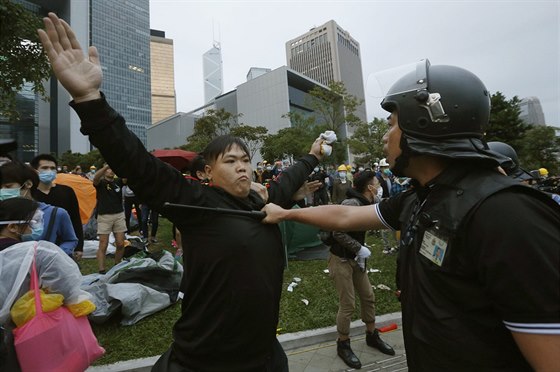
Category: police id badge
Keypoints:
(433, 247)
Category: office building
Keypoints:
(328, 53)
(213, 73)
(263, 100)
(531, 111)
(164, 100)
(120, 30)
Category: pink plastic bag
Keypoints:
(55, 341)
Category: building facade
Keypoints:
(264, 100)
(120, 31)
(328, 53)
(531, 111)
(164, 100)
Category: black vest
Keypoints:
(442, 304)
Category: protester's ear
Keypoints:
(208, 171)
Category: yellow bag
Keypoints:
(24, 308)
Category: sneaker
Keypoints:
(386, 251)
(373, 340)
(393, 250)
(153, 240)
(345, 352)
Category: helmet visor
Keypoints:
(379, 84)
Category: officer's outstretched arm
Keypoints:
(541, 351)
(328, 217)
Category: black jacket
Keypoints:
(233, 265)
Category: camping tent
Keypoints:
(85, 192)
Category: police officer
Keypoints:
(479, 252)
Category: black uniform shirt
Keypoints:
(500, 275)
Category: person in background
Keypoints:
(130, 201)
(61, 196)
(91, 174)
(110, 214)
(348, 269)
(19, 180)
(341, 185)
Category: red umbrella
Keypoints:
(179, 159)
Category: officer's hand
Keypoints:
(80, 76)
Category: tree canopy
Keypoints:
(212, 124)
(367, 141)
(21, 56)
(505, 124)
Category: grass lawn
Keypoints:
(152, 336)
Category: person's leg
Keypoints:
(341, 272)
(127, 204)
(278, 361)
(102, 251)
(144, 225)
(139, 215)
(367, 307)
(154, 219)
(119, 228)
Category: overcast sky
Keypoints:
(513, 46)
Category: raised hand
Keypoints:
(80, 76)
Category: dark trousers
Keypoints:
(276, 362)
(151, 216)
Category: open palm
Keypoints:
(81, 76)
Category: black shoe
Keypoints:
(345, 352)
(373, 340)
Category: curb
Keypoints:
(289, 341)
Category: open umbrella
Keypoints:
(179, 159)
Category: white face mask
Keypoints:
(315, 170)
(342, 175)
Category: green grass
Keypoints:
(152, 335)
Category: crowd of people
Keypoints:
(478, 251)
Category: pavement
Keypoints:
(315, 351)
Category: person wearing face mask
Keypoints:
(267, 173)
(348, 269)
(19, 180)
(20, 221)
(321, 196)
(341, 184)
(61, 196)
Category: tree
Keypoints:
(505, 124)
(22, 58)
(252, 136)
(367, 141)
(540, 148)
(85, 161)
(211, 125)
(334, 107)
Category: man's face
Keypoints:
(46, 165)
(232, 172)
(392, 140)
(109, 174)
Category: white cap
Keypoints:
(383, 163)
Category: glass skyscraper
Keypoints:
(121, 32)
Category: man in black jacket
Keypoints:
(234, 264)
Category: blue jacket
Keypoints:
(62, 233)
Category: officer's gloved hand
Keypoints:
(364, 252)
(361, 257)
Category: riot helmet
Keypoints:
(442, 111)
(511, 167)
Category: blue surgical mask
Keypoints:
(47, 176)
(342, 175)
(9, 193)
(36, 225)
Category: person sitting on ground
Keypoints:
(20, 221)
(19, 180)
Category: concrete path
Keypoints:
(315, 351)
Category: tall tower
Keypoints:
(531, 111)
(164, 100)
(328, 53)
(213, 73)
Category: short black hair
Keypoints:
(17, 209)
(362, 180)
(221, 145)
(197, 164)
(19, 173)
(37, 159)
